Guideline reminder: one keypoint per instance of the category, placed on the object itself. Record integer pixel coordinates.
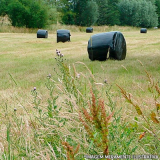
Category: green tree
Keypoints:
(86, 12)
(153, 1)
(67, 12)
(140, 13)
(79, 9)
(127, 10)
(38, 15)
(113, 14)
(17, 13)
(108, 12)
(157, 3)
(4, 7)
(29, 13)
(89, 14)
(103, 13)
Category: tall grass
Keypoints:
(67, 107)
(76, 121)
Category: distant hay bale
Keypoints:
(89, 30)
(155, 27)
(100, 44)
(63, 35)
(143, 30)
(42, 33)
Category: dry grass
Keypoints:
(26, 61)
(29, 60)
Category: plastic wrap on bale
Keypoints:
(42, 33)
(89, 30)
(143, 30)
(63, 35)
(102, 44)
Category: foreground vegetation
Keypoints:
(65, 107)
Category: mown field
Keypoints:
(27, 60)
(27, 114)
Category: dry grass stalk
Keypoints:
(127, 96)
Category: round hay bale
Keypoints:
(42, 33)
(100, 44)
(143, 30)
(63, 35)
(89, 30)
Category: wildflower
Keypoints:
(61, 55)
(57, 52)
(78, 75)
(105, 81)
(49, 75)
(15, 109)
(34, 88)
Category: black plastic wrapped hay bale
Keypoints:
(63, 35)
(143, 30)
(100, 44)
(89, 30)
(42, 33)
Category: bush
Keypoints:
(31, 14)
(68, 17)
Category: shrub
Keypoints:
(78, 119)
(150, 121)
(31, 14)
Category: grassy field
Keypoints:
(27, 61)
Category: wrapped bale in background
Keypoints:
(100, 44)
(143, 30)
(63, 35)
(89, 30)
(42, 33)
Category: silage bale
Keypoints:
(102, 44)
(143, 30)
(89, 30)
(42, 33)
(63, 35)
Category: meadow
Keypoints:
(47, 103)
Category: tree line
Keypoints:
(39, 13)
